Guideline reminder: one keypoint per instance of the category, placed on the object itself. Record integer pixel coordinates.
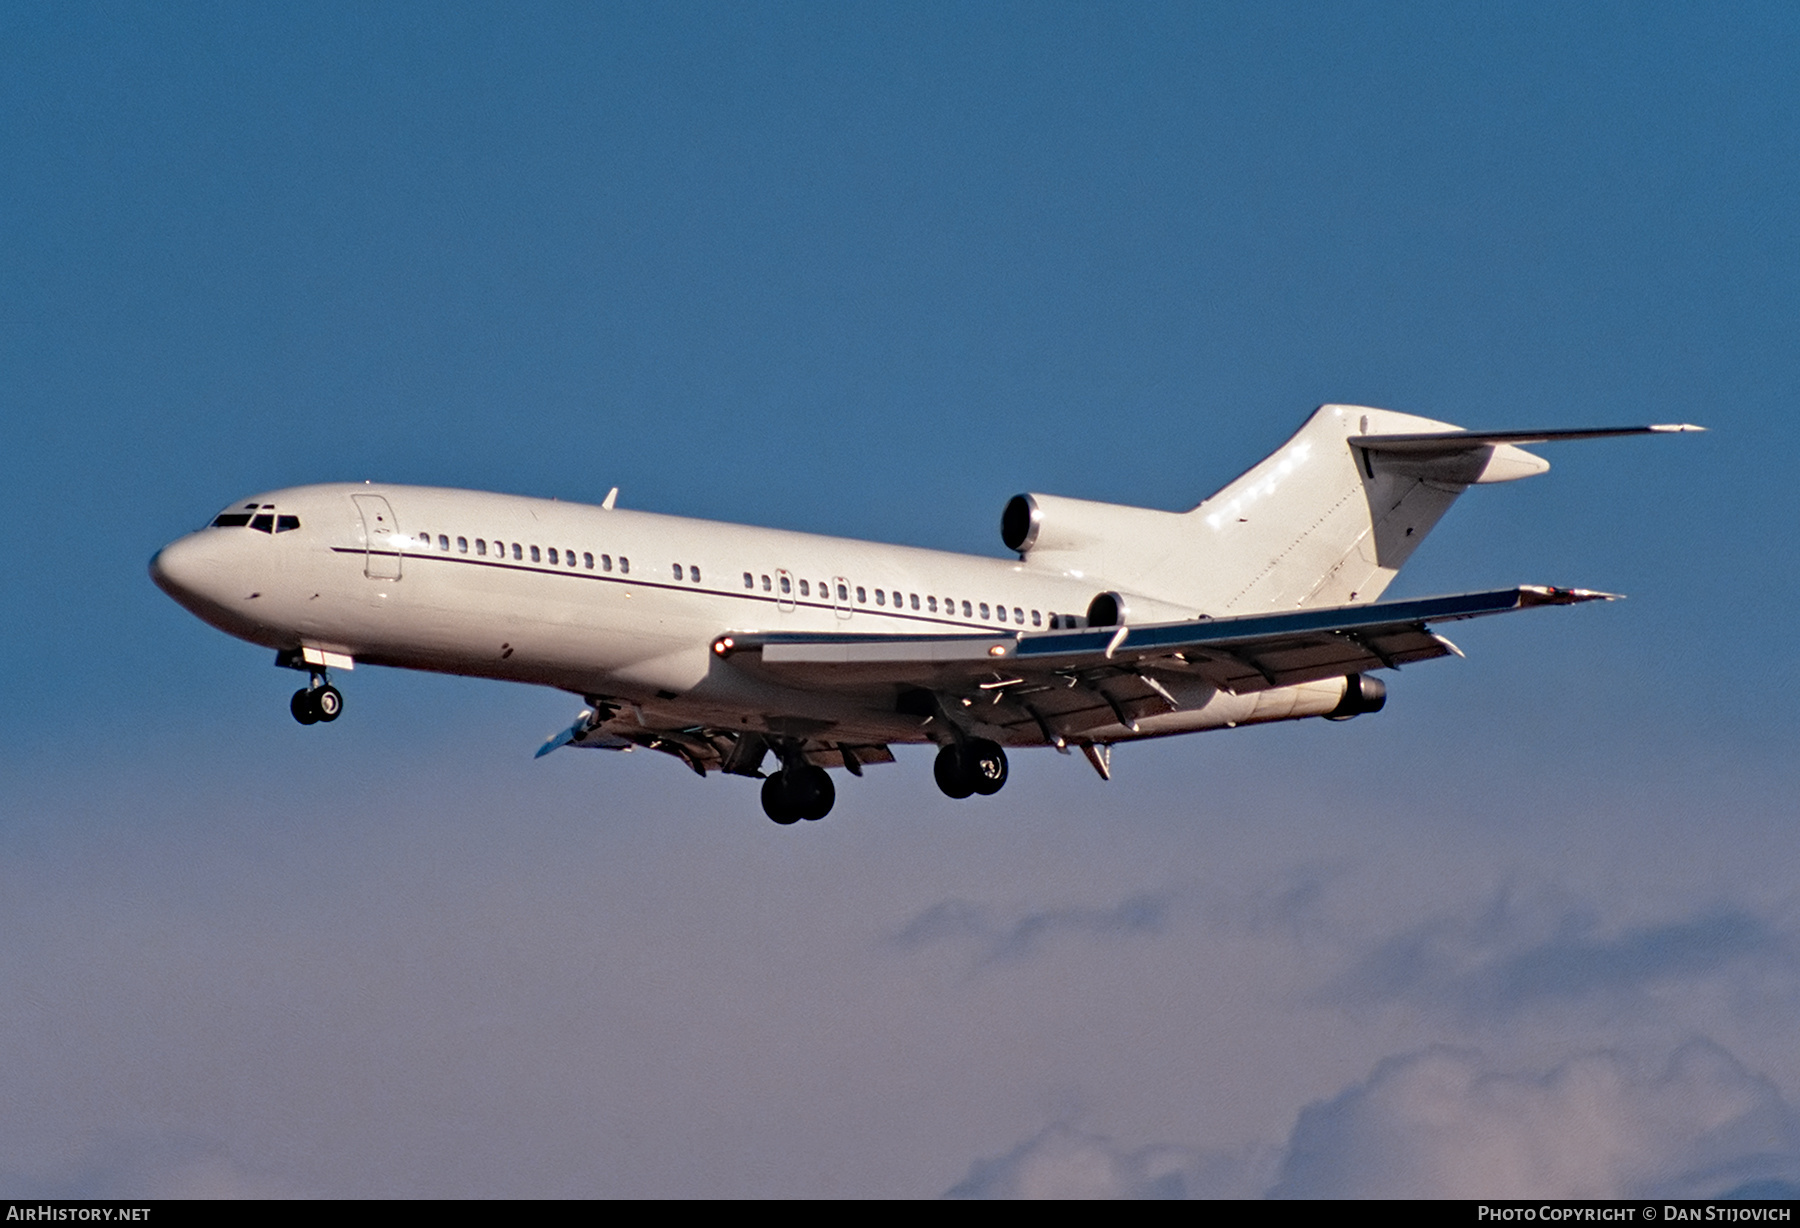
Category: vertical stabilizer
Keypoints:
(1328, 519)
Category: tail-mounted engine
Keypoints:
(1075, 532)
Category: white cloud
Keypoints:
(1518, 953)
(1447, 1123)
(1062, 1162)
(999, 938)
(1444, 1124)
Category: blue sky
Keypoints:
(871, 270)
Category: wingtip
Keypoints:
(1545, 594)
(1674, 428)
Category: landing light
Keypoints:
(998, 650)
(723, 645)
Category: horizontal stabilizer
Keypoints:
(1438, 442)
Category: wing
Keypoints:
(1050, 686)
(612, 727)
(1244, 654)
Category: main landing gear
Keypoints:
(972, 766)
(802, 790)
(798, 791)
(317, 702)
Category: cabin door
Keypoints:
(381, 538)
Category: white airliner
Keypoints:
(723, 645)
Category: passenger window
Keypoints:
(444, 542)
(568, 558)
(554, 559)
(587, 560)
(519, 551)
(861, 595)
(1036, 619)
(677, 567)
(843, 592)
(624, 566)
(284, 524)
(804, 590)
(967, 614)
(536, 557)
(481, 546)
(786, 585)
(693, 573)
(462, 545)
(1000, 610)
(749, 580)
(766, 585)
(880, 597)
(931, 605)
(264, 523)
(606, 562)
(914, 599)
(1018, 615)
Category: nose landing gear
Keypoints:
(319, 702)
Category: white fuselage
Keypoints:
(615, 603)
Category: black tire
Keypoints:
(775, 800)
(952, 772)
(328, 702)
(986, 766)
(821, 795)
(301, 705)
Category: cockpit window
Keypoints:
(260, 517)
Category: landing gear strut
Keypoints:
(318, 702)
(973, 766)
(799, 791)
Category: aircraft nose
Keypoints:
(183, 569)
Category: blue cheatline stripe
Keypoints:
(544, 569)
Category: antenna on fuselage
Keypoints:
(612, 497)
